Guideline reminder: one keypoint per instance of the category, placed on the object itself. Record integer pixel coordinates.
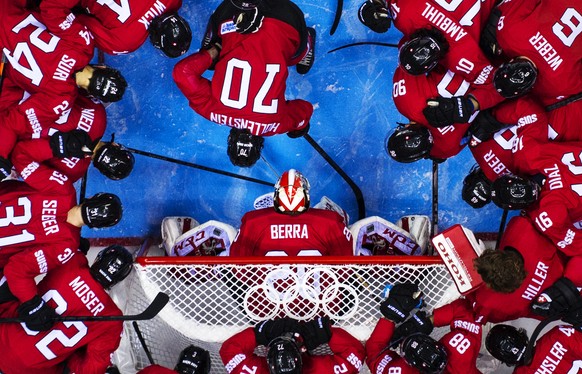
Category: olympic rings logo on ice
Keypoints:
(306, 285)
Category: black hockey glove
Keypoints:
(441, 112)
(112, 370)
(84, 245)
(476, 188)
(484, 126)
(75, 143)
(401, 300)
(268, 330)
(557, 299)
(36, 314)
(106, 84)
(315, 332)
(5, 168)
(488, 38)
(419, 322)
(373, 14)
(248, 21)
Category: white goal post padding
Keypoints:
(209, 302)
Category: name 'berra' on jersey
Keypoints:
(316, 232)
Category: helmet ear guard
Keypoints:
(409, 143)
(171, 34)
(292, 193)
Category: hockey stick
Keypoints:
(363, 43)
(150, 312)
(435, 199)
(528, 354)
(338, 169)
(564, 102)
(2, 64)
(196, 166)
(338, 15)
(143, 343)
(501, 227)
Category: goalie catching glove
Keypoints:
(418, 323)
(402, 299)
(248, 21)
(75, 143)
(374, 14)
(441, 111)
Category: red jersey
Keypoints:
(40, 63)
(316, 232)
(35, 236)
(460, 23)
(543, 267)
(237, 354)
(546, 32)
(156, 369)
(381, 360)
(410, 93)
(498, 155)
(85, 346)
(118, 27)
(247, 90)
(559, 351)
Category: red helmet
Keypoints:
(291, 193)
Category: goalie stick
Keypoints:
(196, 166)
(339, 170)
(150, 312)
(338, 15)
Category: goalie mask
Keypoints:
(424, 353)
(101, 210)
(113, 161)
(244, 148)
(422, 52)
(193, 360)
(112, 265)
(409, 143)
(506, 343)
(284, 356)
(515, 78)
(171, 34)
(514, 193)
(291, 193)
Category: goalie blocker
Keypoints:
(458, 247)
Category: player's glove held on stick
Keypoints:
(373, 13)
(401, 300)
(557, 299)
(441, 111)
(316, 332)
(268, 330)
(36, 314)
(248, 21)
(75, 143)
(418, 323)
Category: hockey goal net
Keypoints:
(213, 298)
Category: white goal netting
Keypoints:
(212, 299)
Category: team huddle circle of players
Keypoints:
(501, 77)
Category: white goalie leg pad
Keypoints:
(172, 228)
(418, 227)
(377, 236)
(327, 204)
(212, 238)
(264, 201)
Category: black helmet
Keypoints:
(506, 343)
(246, 4)
(422, 52)
(424, 353)
(113, 161)
(284, 356)
(244, 148)
(112, 265)
(193, 360)
(101, 210)
(409, 143)
(513, 192)
(106, 84)
(171, 34)
(515, 78)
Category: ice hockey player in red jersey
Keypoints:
(291, 227)
(288, 346)
(41, 345)
(41, 231)
(558, 351)
(192, 360)
(455, 352)
(250, 60)
(120, 27)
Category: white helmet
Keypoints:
(291, 193)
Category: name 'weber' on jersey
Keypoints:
(289, 231)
